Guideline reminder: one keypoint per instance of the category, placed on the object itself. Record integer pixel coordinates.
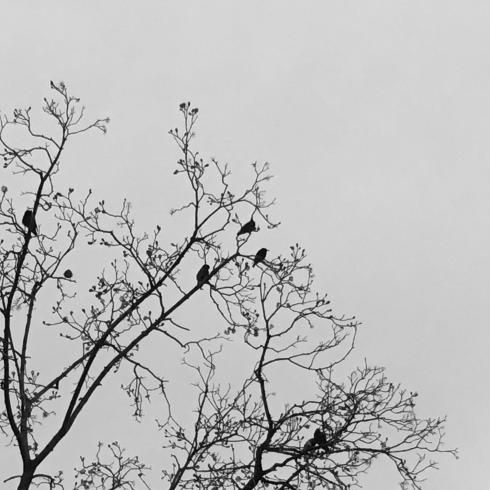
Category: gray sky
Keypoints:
(375, 118)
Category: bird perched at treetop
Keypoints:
(203, 275)
(260, 256)
(247, 228)
(29, 222)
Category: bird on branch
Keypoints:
(310, 444)
(247, 228)
(319, 440)
(319, 437)
(260, 256)
(29, 222)
(203, 275)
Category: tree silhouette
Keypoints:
(245, 435)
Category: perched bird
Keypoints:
(203, 275)
(310, 444)
(260, 256)
(319, 437)
(29, 222)
(68, 274)
(318, 440)
(247, 228)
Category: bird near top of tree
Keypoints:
(29, 221)
(247, 228)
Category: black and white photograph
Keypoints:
(244, 245)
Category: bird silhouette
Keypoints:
(319, 437)
(310, 444)
(68, 274)
(260, 256)
(247, 228)
(29, 222)
(203, 275)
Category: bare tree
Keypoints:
(243, 437)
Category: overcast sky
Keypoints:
(375, 118)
